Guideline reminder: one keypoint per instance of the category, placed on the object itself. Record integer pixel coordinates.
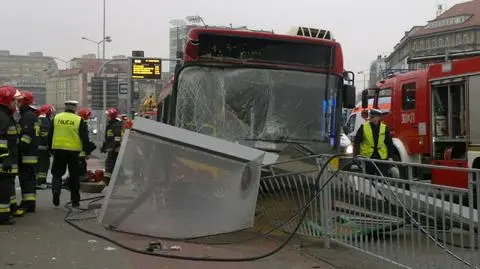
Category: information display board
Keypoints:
(146, 68)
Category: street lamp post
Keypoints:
(104, 22)
(105, 39)
(364, 79)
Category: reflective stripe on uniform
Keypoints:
(110, 132)
(43, 133)
(41, 147)
(29, 159)
(13, 171)
(3, 144)
(12, 130)
(13, 199)
(36, 127)
(41, 175)
(26, 139)
(118, 139)
(3, 155)
(4, 208)
(82, 154)
(28, 197)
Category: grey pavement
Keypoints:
(45, 240)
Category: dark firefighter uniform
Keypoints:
(111, 145)
(9, 164)
(29, 131)
(43, 149)
(69, 136)
(374, 141)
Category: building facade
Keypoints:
(455, 33)
(75, 82)
(377, 69)
(177, 39)
(66, 85)
(27, 72)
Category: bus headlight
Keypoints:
(349, 149)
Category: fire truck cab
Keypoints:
(433, 115)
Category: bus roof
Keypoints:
(195, 32)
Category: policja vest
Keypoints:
(367, 147)
(66, 132)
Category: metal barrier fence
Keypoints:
(408, 222)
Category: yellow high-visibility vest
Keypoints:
(367, 146)
(66, 132)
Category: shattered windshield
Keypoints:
(250, 104)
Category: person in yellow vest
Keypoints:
(373, 140)
(69, 136)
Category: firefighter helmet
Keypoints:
(8, 94)
(26, 98)
(47, 109)
(112, 113)
(85, 113)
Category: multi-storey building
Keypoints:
(455, 33)
(27, 72)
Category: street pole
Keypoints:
(104, 21)
(130, 88)
(98, 50)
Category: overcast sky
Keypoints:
(365, 28)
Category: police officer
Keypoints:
(45, 113)
(86, 114)
(29, 131)
(373, 140)
(113, 139)
(68, 137)
(8, 155)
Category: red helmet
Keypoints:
(112, 112)
(47, 109)
(85, 113)
(26, 99)
(8, 94)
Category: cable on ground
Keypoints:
(302, 212)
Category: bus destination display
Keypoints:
(146, 68)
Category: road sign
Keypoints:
(146, 68)
(122, 88)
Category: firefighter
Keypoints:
(29, 131)
(8, 155)
(45, 113)
(374, 141)
(68, 136)
(86, 114)
(113, 139)
(127, 123)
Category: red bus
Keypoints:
(260, 87)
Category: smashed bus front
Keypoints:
(262, 87)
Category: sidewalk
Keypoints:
(44, 240)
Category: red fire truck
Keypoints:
(262, 89)
(433, 116)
